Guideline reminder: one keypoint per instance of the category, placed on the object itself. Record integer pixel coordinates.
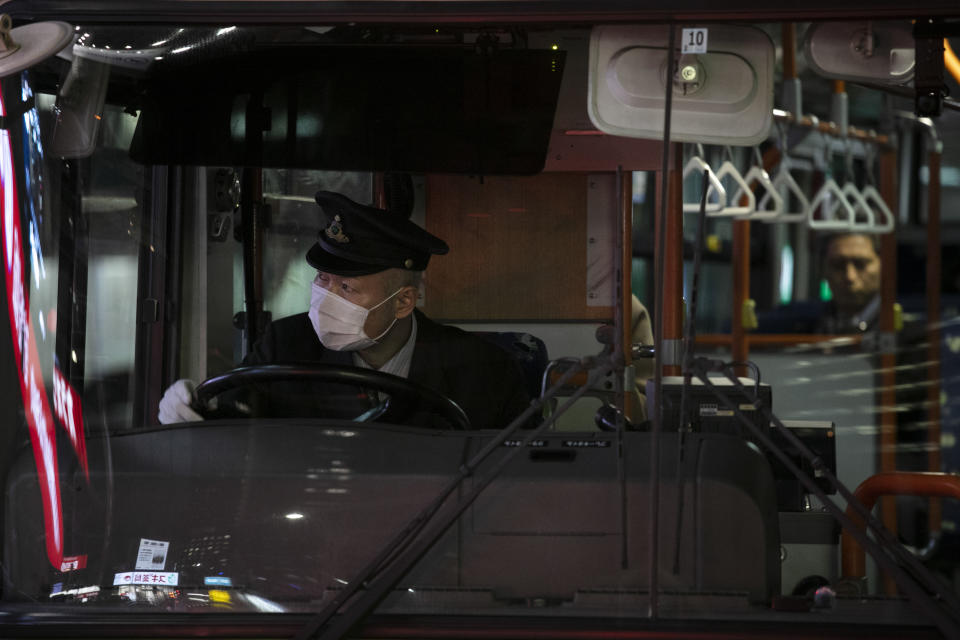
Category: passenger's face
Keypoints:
(366, 291)
(853, 271)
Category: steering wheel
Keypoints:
(404, 396)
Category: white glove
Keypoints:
(176, 401)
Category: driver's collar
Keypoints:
(399, 364)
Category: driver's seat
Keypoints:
(527, 350)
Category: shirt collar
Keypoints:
(399, 364)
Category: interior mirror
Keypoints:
(879, 52)
(79, 108)
(722, 93)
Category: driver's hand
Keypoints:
(176, 401)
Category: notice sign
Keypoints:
(167, 578)
(218, 581)
(72, 563)
(152, 555)
(693, 41)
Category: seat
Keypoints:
(527, 350)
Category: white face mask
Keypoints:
(339, 322)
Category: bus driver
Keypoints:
(363, 313)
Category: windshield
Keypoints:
(405, 325)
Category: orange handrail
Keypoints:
(950, 60)
(768, 340)
(896, 483)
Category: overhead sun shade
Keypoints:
(355, 108)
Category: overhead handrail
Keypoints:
(878, 205)
(834, 207)
(830, 200)
(883, 218)
(863, 219)
(715, 190)
(785, 184)
(729, 170)
(873, 198)
(757, 174)
(830, 128)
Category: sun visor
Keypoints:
(354, 108)
(722, 89)
(864, 51)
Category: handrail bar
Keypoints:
(893, 483)
(773, 340)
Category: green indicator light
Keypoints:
(825, 293)
(786, 275)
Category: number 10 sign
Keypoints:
(693, 41)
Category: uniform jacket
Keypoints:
(479, 376)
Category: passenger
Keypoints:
(641, 332)
(851, 266)
(363, 313)
(852, 269)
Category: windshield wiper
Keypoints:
(396, 558)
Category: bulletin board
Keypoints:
(518, 249)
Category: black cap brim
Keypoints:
(359, 240)
(323, 260)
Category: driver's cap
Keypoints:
(358, 240)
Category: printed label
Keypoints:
(152, 554)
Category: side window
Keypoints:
(213, 295)
(88, 213)
(294, 222)
(111, 188)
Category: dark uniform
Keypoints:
(479, 376)
(816, 316)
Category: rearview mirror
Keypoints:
(79, 108)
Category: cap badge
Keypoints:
(335, 231)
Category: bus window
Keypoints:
(112, 213)
(372, 326)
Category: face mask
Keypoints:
(339, 322)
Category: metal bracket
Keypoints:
(218, 227)
(880, 342)
(149, 310)
(629, 378)
(929, 85)
(672, 352)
